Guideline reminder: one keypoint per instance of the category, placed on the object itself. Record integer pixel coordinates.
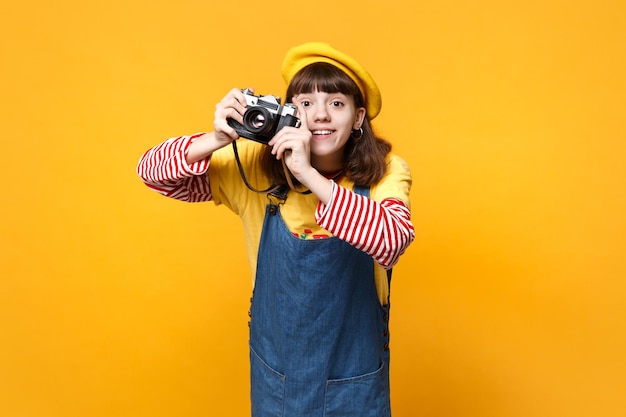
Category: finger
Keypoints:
(281, 135)
(282, 144)
(278, 146)
(237, 101)
(224, 111)
(301, 113)
(232, 106)
(240, 96)
(224, 128)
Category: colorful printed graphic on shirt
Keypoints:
(308, 234)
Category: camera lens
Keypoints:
(258, 120)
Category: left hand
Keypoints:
(293, 144)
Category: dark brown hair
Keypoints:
(364, 158)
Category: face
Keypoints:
(330, 118)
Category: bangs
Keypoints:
(324, 78)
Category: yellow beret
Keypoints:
(300, 56)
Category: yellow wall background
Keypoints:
(117, 302)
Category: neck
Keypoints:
(332, 175)
(327, 166)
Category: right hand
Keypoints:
(233, 106)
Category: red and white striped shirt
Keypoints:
(380, 226)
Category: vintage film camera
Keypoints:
(264, 116)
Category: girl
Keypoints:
(321, 241)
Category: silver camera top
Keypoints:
(269, 101)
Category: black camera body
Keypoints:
(264, 117)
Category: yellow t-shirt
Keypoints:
(298, 211)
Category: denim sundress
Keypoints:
(318, 334)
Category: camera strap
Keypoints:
(274, 187)
(277, 198)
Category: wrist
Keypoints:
(318, 184)
(202, 148)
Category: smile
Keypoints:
(322, 132)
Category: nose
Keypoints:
(321, 114)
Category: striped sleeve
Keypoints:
(383, 230)
(165, 170)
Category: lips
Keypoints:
(322, 132)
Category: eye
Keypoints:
(337, 103)
(305, 103)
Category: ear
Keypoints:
(360, 116)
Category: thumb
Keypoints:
(301, 113)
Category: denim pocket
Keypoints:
(267, 388)
(360, 396)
